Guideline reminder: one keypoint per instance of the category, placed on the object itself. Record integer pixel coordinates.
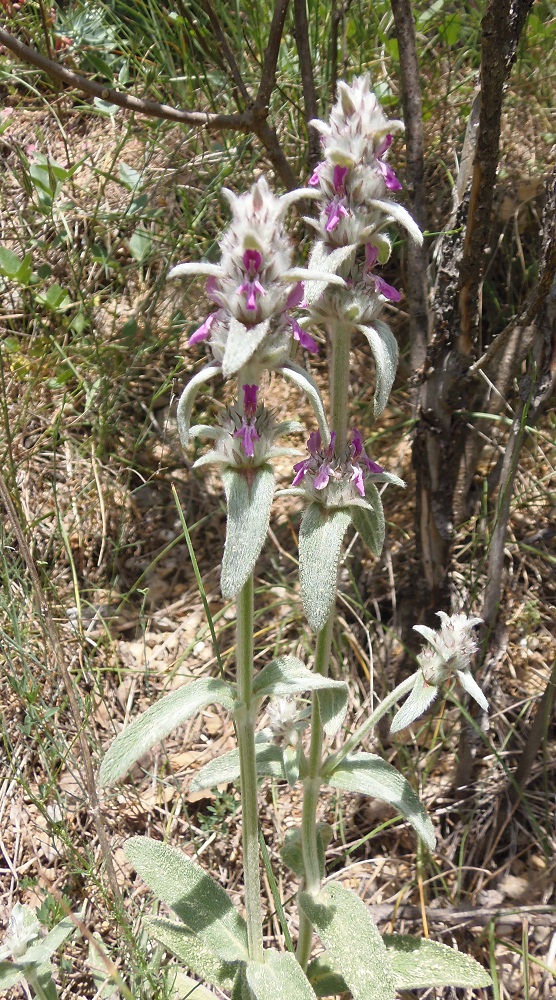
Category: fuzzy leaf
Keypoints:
(241, 344)
(323, 979)
(354, 946)
(421, 696)
(400, 215)
(158, 721)
(292, 853)
(193, 952)
(279, 977)
(384, 347)
(291, 758)
(10, 974)
(333, 707)
(197, 900)
(418, 963)
(287, 675)
(370, 524)
(328, 263)
(369, 774)
(185, 988)
(320, 542)
(303, 381)
(249, 504)
(226, 767)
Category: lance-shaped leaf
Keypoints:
(369, 774)
(37, 956)
(279, 977)
(241, 343)
(187, 398)
(196, 270)
(418, 962)
(303, 381)
(197, 900)
(370, 523)
(193, 952)
(226, 767)
(292, 851)
(159, 721)
(185, 988)
(249, 499)
(333, 708)
(320, 541)
(288, 675)
(354, 946)
(384, 347)
(422, 695)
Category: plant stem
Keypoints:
(340, 337)
(245, 717)
(311, 789)
(371, 722)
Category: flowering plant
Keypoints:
(264, 308)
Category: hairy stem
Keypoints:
(245, 717)
(370, 723)
(340, 337)
(311, 789)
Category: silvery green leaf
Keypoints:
(292, 853)
(206, 430)
(46, 982)
(470, 685)
(421, 696)
(333, 707)
(400, 215)
(370, 523)
(290, 757)
(42, 950)
(303, 381)
(288, 675)
(354, 946)
(241, 989)
(241, 343)
(10, 974)
(226, 767)
(187, 398)
(197, 900)
(279, 977)
(325, 982)
(384, 347)
(249, 499)
(418, 962)
(185, 988)
(211, 457)
(320, 541)
(369, 774)
(193, 952)
(159, 721)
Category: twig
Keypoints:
(227, 52)
(60, 659)
(301, 34)
(270, 59)
(476, 917)
(416, 276)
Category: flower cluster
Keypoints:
(338, 480)
(245, 435)
(448, 653)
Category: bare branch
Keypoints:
(301, 33)
(242, 122)
(270, 60)
(416, 277)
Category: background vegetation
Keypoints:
(95, 203)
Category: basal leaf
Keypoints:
(418, 962)
(197, 900)
(320, 542)
(193, 952)
(354, 946)
(369, 774)
(158, 721)
(249, 499)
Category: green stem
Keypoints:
(370, 723)
(339, 383)
(35, 984)
(245, 718)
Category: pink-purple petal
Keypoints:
(203, 332)
(383, 288)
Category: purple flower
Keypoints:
(381, 286)
(314, 179)
(337, 207)
(342, 473)
(248, 431)
(318, 463)
(302, 336)
(203, 333)
(390, 179)
(251, 286)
